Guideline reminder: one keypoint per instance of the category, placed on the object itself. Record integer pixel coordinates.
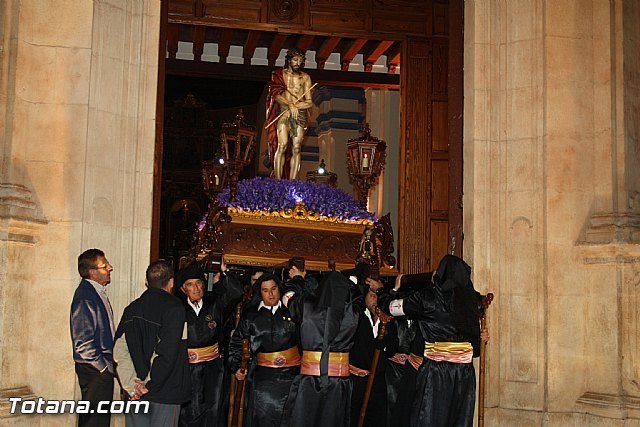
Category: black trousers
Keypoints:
(95, 387)
(159, 415)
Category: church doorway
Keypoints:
(204, 43)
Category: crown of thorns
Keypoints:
(295, 52)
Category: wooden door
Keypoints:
(430, 213)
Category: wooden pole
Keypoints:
(241, 409)
(233, 385)
(232, 399)
(486, 302)
(384, 319)
(236, 416)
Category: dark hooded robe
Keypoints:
(275, 358)
(401, 374)
(328, 318)
(401, 379)
(400, 370)
(361, 357)
(448, 316)
(204, 330)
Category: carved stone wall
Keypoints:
(505, 181)
(78, 90)
(550, 216)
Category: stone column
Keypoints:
(504, 203)
(610, 243)
(550, 218)
(21, 223)
(77, 96)
(383, 115)
(340, 116)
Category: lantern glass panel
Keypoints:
(245, 147)
(225, 147)
(353, 158)
(366, 160)
(233, 149)
(214, 176)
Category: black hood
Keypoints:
(333, 291)
(453, 273)
(454, 287)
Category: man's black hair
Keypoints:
(158, 274)
(87, 261)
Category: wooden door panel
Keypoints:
(413, 233)
(427, 189)
(346, 4)
(182, 7)
(440, 69)
(399, 22)
(440, 120)
(439, 186)
(439, 241)
(340, 21)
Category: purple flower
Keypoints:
(273, 195)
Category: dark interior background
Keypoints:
(195, 109)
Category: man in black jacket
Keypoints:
(273, 339)
(205, 315)
(360, 363)
(151, 351)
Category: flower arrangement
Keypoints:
(275, 195)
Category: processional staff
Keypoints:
(384, 319)
(238, 401)
(486, 302)
(234, 381)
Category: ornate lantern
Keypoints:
(238, 145)
(366, 157)
(214, 177)
(323, 176)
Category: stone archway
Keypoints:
(430, 167)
